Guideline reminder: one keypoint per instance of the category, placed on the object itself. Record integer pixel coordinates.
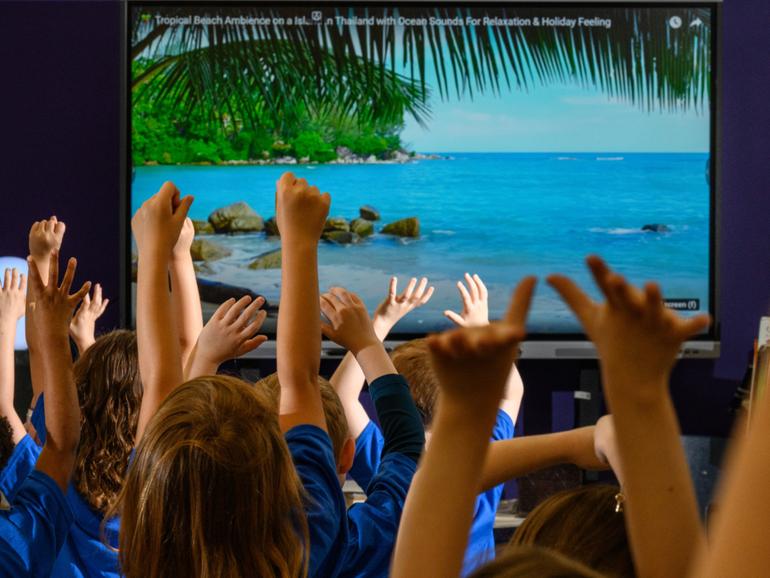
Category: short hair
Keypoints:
(534, 562)
(6, 441)
(581, 523)
(412, 361)
(336, 422)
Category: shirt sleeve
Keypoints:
(19, 466)
(366, 461)
(504, 428)
(38, 419)
(401, 425)
(313, 456)
(33, 530)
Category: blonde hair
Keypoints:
(212, 491)
(533, 562)
(412, 360)
(336, 422)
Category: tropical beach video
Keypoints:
(451, 140)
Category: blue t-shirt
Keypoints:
(84, 553)
(481, 542)
(373, 524)
(313, 456)
(33, 531)
(19, 466)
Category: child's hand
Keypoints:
(45, 236)
(395, 306)
(349, 324)
(300, 209)
(473, 363)
(12, 296)
(53, 305)
(83, 324)
(158, 222)
(184, 242)
(636, 336)
(231, 331)
(475, 303)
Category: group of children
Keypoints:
(138, 460)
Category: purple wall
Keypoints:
(61, 151)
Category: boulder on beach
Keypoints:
(657, 228)
(400, 156)
(369, 213)
(269, 260)
(409, 227)
(216, 292)
(271, 228)
(202, 227)
(343, 152)
(336, 224)
(341, 237)
(203, 268)
(238, 217)
(205, 250)
(362, 227)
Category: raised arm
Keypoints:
(12, 296)
(301, 212)
(230, 333)
(83, 324)
(471, 365)
(185, 298)
(638, 340)
(53, 307)
(348, 379)
(508, 459)
(475, 313)
(156, 227)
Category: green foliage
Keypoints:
(312, 145)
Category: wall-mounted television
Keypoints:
(496, 138)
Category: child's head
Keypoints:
(212, 491)
(581, 523)
(110, 393)
(6, 441)
(534, 562)
(412, 360)
(336, 423)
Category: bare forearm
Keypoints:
(347, 381)
(62, 409)
(83, 343)
(197, 365)
(299, 337)
(159, 353)
(656, 479)
(7, 379)
(186, 303)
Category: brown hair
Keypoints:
(412, 360)
(110, 394)
(336, 422)
(581, 523)
(533, 562)
(212, 491)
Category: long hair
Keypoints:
(581, 523)
(110, 394)
(212, 491)
(534, 562)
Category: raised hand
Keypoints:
(395, 305)
(52, 305)
(159, 221)
(633, 331)
(232, 330)
(12, 295)
(475, 299)
(83, 324)
(185, 239)
(472, 363)
(349, 324)
(301, 210)
(45, 236)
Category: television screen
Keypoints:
(500, 139)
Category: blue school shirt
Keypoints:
(84, 554)
(33, 531)
(18, 467)
(313, 456)
(481, 542)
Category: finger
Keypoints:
(326, 198)
(483, 293)
(301, 183)
(601, 274)
(355, 299)
(23, 283)
(236, 310)
(342, 295)
(14, 279)
(428, 294)
(69, 276)
(694, 325)
(314, 189)
(103, 308)
(473, 290)
(260, 300)
(251, 344)
(53, 268)
(59, 228)
(420, 289)
(254, 324)
(97, 294)
(464, 295)
(180, 213)
(328, 308)
(87, 300)
(405, 296)
(328, 330)
(167, 192)
(224, 308)
(35, 282)
(248, 313)
(286, 179)
(75, 298)
(455, 318)
(626, 296)
(653, 300)
(7, 279)
(520, 302)
(392, 287)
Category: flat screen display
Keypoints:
(494, 139)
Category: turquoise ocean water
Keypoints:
(500, 215)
